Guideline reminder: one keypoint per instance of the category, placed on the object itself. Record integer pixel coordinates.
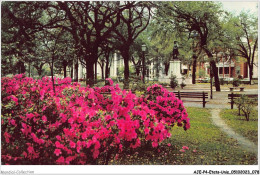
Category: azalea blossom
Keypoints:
(80, 124)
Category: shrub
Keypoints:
(246, 105)
(201, 73)
(174, 82)
(164, 84)
(221, 81)
(236, 82)
(140, 86)
(78, 125)
(182, 85)
(240, 77)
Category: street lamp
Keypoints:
(143, 50)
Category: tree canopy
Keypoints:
(88, 31)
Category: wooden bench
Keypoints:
(197, 95)
(233, 96)
(241, 88)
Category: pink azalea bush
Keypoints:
(82, 125)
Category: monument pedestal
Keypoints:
(175, 70)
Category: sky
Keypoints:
(238, 6)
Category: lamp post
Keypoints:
(143, 50)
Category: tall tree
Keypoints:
(134, 20)
(202, 17)
(90, 23)
(247, 39)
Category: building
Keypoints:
(228, 68)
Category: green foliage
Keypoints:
(164, 84)
(246, 104)
(201, 73)
(140, 86)
(236, 82)
(174, 82)
(182, 85)
(221, 81)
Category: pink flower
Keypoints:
(61, 160)
(57, 144)
(44, 118)
(110, 81)
(169, 144)
(185, 147)
(24, 154)
(95, 154)
(154, 144)
(30, 149)
(29, 116)
(33, 88)
(15, 99)
(58, 138)
(194, 150)
(71, 120)
(57, 152)
(116, 157)
(182, 150)
(146, 131)
(7, 137)
(12, 121)
(72, 144)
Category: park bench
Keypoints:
(193, 95)
(233, 96)
(241, 88)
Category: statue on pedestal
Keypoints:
(175, 63)
(175, 51)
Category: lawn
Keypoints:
(207, 146)
(248, 129)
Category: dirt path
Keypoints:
(245, 143)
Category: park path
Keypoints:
(245, 143)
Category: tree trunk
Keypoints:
(29, 69)
(194, 64)
(102, 71)
(137, 67)
(250, 72)
(71, 72)
(64, 69)
(39, 71)
(52, 73)
(96, 72)
(167, 66)
(90, 74)
(107, 70)
(90, 61)
(76, 78)
(215, 73)
(214, 69)
(125, 54)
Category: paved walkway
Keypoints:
(245, 143)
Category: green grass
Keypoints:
(248, 129)
(212, 146)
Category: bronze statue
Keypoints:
(175, 51)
